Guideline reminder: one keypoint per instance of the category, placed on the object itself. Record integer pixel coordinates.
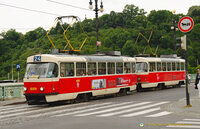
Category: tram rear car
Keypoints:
(57, 77)
(159, 72)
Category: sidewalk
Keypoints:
(178, 107)
(13, 101)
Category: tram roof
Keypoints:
(157, 59)
(172, 60)
(79, 58)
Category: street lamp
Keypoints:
(96, 13)
(174, 27)
(11, 70)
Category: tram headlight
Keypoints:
(41, 88)
(25, 89)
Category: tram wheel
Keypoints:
(139, 88)
(163, 86)
(82, 98)
(122, 92)
(85, 97)
(159, 87)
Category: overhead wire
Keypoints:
(69, 5)
(32, 10)
(22, 28)
(38, 11)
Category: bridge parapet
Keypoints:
(11, 90)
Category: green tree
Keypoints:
(161, 16)
(131, 11)
(35, 34)
(129, 48)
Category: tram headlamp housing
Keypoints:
(41, 88)
(25, 89)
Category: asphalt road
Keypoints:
(126, 112)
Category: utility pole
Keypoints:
(174, 28)
(174, 35)
(12, 71)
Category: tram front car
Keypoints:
(41, 78)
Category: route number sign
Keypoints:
(186, 24)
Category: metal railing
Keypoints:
(11, 90)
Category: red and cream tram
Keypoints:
(159, 72)
(58, 77)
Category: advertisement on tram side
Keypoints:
(99, 83)
(123, 81)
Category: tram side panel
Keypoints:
(70, 88)
(152, 79)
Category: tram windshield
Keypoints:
(41, 70)
(141, 67)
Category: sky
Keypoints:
(24, 20)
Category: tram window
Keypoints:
(164, 67)
(141, 67)
(169, 66)
(42, 70)
(66, 69)
(178, 66)
(101, 68)
(133, 67)
(80, 69)
(52, 70)
(111, 68)
(91, 68)
(152, 66)
(159, 66)
(182, 66)
(119, 68)
(127, 67)
(173, 66)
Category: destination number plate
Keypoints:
(33, 88)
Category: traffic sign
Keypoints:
(186, 24)
(18, 66)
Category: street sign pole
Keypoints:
(18, 76)
(185, 25)
(18, 68)
(186, 79)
